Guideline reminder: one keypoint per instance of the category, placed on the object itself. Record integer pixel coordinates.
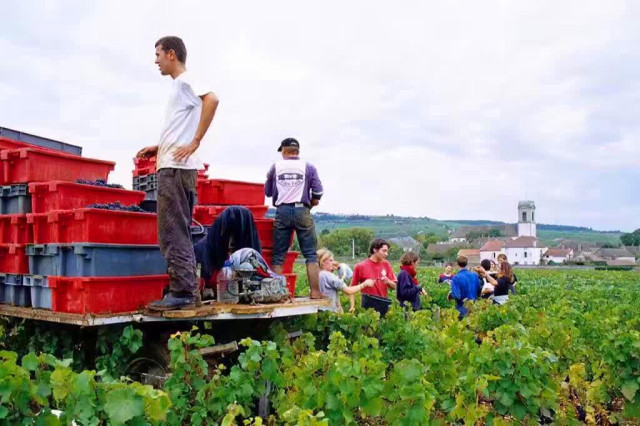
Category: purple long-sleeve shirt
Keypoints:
(292, 180)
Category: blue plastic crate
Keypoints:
(15, 199)
(40, 141)
(40, 291)
(14, 293)
(95, 260)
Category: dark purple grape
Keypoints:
(99, 182)
(117, 207)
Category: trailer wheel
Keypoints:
(152, 366)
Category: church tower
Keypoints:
(526, 219)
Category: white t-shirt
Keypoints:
(181, 122)
(291, 176)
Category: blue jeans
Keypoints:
(299, 219)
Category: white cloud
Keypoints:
(447, 110)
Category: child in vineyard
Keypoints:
(505, 280)
(512, 288)
(408, 289)
(330, 284)
(487, 288)
(448, 274)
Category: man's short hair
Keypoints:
(486, 264)
(176, 44)
(463, 261)
(376, 245)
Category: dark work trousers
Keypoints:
(176, 197)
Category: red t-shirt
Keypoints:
(370, 269)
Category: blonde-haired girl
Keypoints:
(330, 284)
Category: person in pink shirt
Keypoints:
(377, 268)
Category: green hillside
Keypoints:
(397, 226)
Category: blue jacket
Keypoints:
(407, 291)
(465, 285)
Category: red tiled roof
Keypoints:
(523, 242)
(558, 252)
(469, 252)
(492, 245)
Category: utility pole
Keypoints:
(353, 248)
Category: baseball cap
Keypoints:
(289, 142)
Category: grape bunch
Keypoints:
(99, 182)
(117, 207)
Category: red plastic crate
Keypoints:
(206, 215)
(60, 195)
(14, 229)
(289, 260)
(291, 283)
(94, 226)
(100, 295)
(147, 166)
(36, 165)
(229, 192)
(144, 166)
(13, 259)
(6, 143)
(265, 232)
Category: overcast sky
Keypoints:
(452, 110)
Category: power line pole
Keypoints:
(353, 248)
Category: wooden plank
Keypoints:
(243, 309)
(298, 306)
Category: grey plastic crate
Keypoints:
(14, 292)
(95, 260)
(145, 186)
(151, 195)
(40, 141)
(15, 199)
(146, 179)
(39, 290)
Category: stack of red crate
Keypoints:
(215, 195)
(41, 184)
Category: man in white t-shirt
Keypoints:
(189, 114)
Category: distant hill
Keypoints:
(390, 226)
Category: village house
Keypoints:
(472, 255)
(524, 250)
(614, 256)
(558, 255)
(491, 249)
(406, 244)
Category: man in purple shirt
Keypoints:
(295, 188)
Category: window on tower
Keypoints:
(524, 216)
(533, 217)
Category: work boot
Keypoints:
(313, 275)
(172, 301)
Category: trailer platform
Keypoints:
(207, 312)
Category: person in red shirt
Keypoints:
(377, 268)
